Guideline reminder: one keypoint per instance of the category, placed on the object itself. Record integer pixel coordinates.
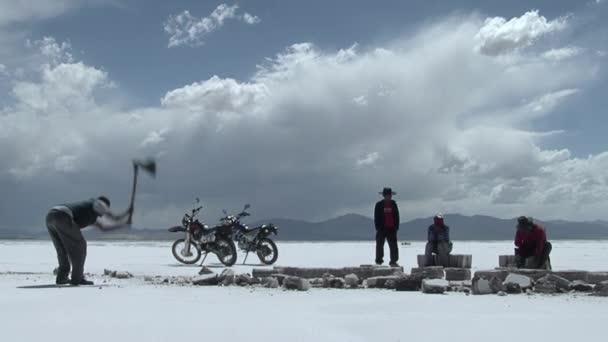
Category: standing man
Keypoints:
(438, 242)
(386, 218)
(532, 249)
(64, 223)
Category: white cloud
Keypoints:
(499, 36)
(368, 159)
(360, 100)
(64, 88)
(3, 70)
(154, 138)
(216, 95)
(562, 53)
(293, 140)
(23, 10)
(186, 29)
(52, 50)
(251, 19)
(547, 102)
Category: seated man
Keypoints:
(532, 248)
(438, 242)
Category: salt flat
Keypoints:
(131, 310)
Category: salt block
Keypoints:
(379, 282)
(601, 289)
(596, 277)
(488, 274)
(532, 273)
(506, 261)
(544, 285)
(408, 283)
(581, 286)
(435, 286)
(513, 288)
(572, 275)
(206, 270)
(261, 272)
(270, 282)
(122, 275)
(497, 286)
(454, 260)
(318, 272)
(226, 277)
(481, 286)
(351, 280)
(461, 260)
(205, 279)
(523, 281)
(296, 283)
(433, 272)
(243, 279)
(457, 273)
(560, 282)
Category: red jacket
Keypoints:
(535, 239)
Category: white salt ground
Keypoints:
(131, 310)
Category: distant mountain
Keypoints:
(353, 227)
(478, 227)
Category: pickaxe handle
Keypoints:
(135, 172)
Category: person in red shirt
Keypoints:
(386, 219)
(531, 246)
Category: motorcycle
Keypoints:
(253, 239)
(200, 238)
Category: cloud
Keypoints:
(360, 100)
(251, 19)
(25, 10)
(499, 36)
(186, 29)
(369, 159)
(547, 102)
(562, 53)
(216, 95)
(292, 140)
(3, 70)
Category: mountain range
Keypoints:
(354, 227)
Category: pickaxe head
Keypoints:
(148, 165)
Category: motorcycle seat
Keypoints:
(247, 229)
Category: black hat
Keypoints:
(387, 191)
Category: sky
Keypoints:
(305, 110)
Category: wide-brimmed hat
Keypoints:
(387, 191)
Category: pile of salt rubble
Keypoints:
(432, 280)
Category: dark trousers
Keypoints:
(526, 257)
(69, 243)
(390, 235)
(442, 249)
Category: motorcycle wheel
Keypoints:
(178, 248)
(226, 251)
(267, 251)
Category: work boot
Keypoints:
(393, 264)
(81, 282)
(62, 279)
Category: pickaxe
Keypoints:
(149, 166)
